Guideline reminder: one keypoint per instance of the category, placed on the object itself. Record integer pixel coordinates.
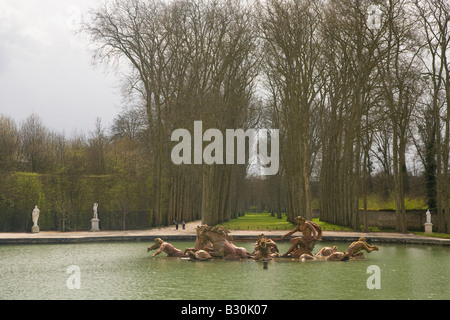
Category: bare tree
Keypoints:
(352, 51)
(9, 144)
(186, 61)
(34, 138)
(435, 20)
(97, 149)
(293, 65)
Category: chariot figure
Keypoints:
(311, 233)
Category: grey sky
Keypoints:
(46, 69)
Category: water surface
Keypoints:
(124, 270)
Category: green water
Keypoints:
(127, 271)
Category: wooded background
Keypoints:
(361, 98)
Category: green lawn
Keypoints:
(434, 234)
(258, 221)
(264, 221)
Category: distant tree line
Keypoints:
(357, 88)
(66, 176)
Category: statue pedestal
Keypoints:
(428, 228)
(95, 225)
(35, 229)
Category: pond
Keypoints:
(124, 270)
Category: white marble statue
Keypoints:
(35, 215)
(428, 216)
(95, 222)
(95, 211)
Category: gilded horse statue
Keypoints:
(221, 245)
(200, 243)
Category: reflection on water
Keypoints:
(127, 271)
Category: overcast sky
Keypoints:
(46, 69)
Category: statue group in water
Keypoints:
(215, 243)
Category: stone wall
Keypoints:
(415, 219)
(386, 219)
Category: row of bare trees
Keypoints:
(434, 20)
(354, 86)
(346, 82)
(351, 82)
(185, 61)
(65, 176)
